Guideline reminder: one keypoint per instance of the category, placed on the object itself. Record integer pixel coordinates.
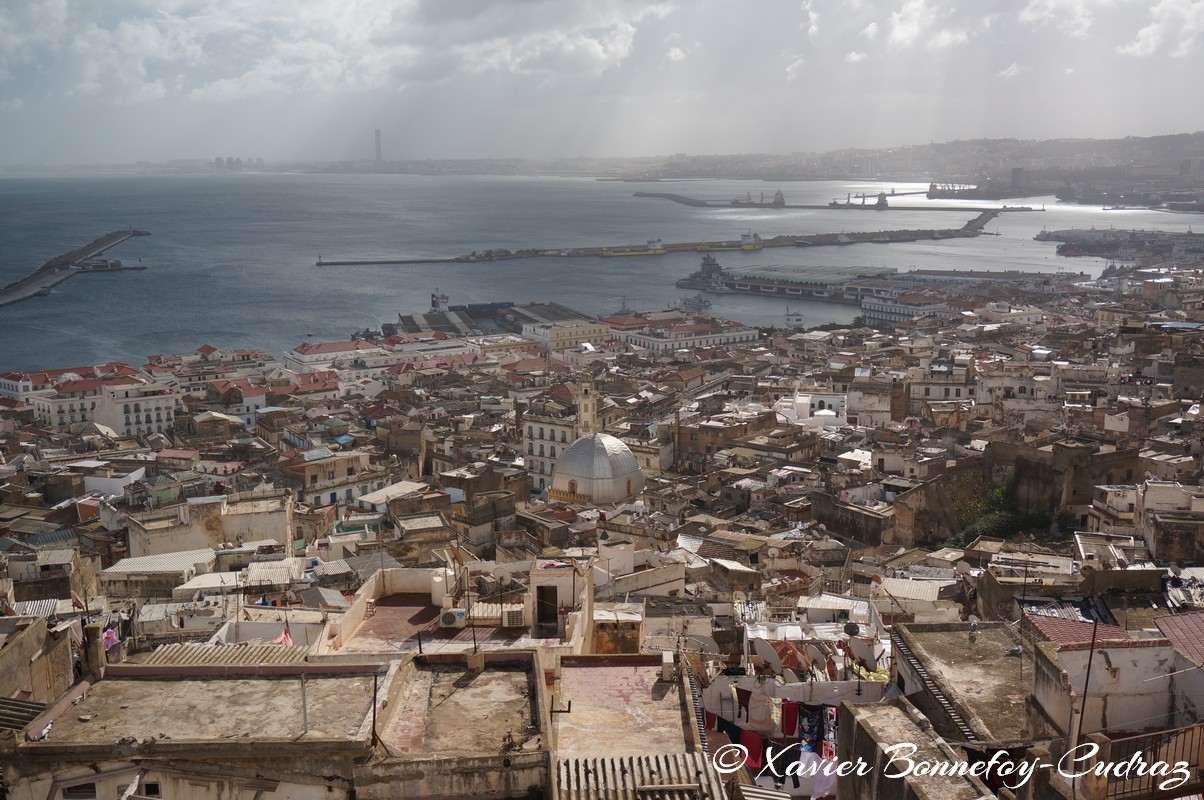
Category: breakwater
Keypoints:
(62, 267)
(971, 229)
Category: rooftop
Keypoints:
(446, 710)
(619, 707)
(400, 619)
(977, 674)
(218, 710)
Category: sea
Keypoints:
(231, 259)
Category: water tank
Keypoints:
(438, 589)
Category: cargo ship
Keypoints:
(879, 204)
(653, 248)
(748, 241)
(778, 201)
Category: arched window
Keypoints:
(628, 487)
(572, 487)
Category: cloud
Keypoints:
(676, 54)
(870, 31)
(1011, 70)
(909, 23)
(854, 57)
(1180, 22)
(812, 24)
(794, 69)
(1074, 17)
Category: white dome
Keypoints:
(600, 467)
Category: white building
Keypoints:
(137, 410)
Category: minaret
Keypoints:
(587, 409)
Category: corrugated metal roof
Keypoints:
(273, 573)
(632, 777)
(58, 556)
(192, 654)
(36, 608)
(834, 602)
(317, 453)
(164, 562)
(321, 597)
(339, 567)
(907, 589)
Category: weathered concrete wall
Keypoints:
(850, 521)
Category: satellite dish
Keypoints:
(768, 655)
(973, 619)
(790, 676)
(962, 568)
(739, 597)
(816, 655)
(863, 652)
(852, 628)
(1175, 569)
(772, 552)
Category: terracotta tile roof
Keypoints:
(1185, 632)
(1073, 631)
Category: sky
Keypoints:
(126, 80)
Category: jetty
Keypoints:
(974, 227)
(84, 259)
(846, 205)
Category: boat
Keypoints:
(778, 201)
(794, 319)
(718, 287)
(879, 205)
(707, 275)
(748, 241)
(653, 248)
(695, 303)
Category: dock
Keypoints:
(835, 206)
(974, 227)
(81, 260)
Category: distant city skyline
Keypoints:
(131, 80)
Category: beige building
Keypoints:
(209, 522)
(559, 336)
(138, 409)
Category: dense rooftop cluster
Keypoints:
(522, 552)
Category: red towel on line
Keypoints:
(789, 717)
(755, 744)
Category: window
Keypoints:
(927, 391)
(80, 791)
(313, 478)
(541, 432)
(562, 439)
(334, 497)
(946, 391)
(572, 487)
(1023, 390)
(530, 449)
(552, 451)
(530, 431)
(151, 790)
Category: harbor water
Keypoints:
(231, 256)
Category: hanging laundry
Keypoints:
(789, 717)
(728, 728)
(758, 711)
(755, 745)
(109, 639)
(708, 718)
(811, 728)
(284, 638)
(775, 712)
(831, 728)
(742, 699)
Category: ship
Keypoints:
(695, 303)
(879, 205)
(794, 319)
(708, 274)
(748, 241)
(653, 248)
(778, 201)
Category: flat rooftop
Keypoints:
(979, 675)
(400, 619)
(448, 710)
(174, 711)
(618, 709)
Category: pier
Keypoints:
(848, 205)
(971, 229)
(60, 268)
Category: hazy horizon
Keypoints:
(135, 80)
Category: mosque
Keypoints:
(596, 469)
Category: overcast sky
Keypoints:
(123, 80)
